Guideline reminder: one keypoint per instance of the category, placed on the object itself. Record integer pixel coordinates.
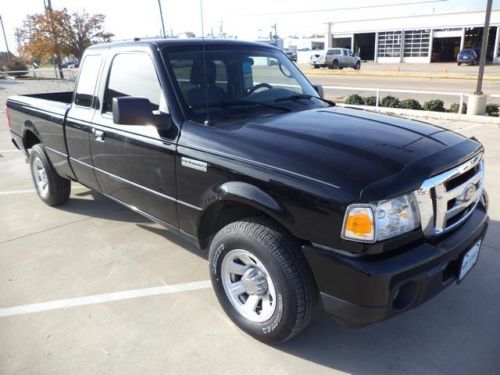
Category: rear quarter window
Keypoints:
(87, 80)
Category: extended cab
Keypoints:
(297, 200)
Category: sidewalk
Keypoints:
(433, 70)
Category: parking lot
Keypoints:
(92, 288)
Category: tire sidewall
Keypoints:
(37, 152)
(278, 326)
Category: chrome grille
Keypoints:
(446, 200)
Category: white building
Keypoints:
(435, 37)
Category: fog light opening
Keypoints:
(404, 296)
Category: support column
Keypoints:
(402, 48)
(431, 40)
(352, 43)
(462, 39)
(328, 36)
(375, 55)
(495, 47)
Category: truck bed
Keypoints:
(42, 117)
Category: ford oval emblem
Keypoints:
(468, 193)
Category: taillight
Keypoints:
(8, 118)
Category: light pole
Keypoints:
(477, 101)
(161, 19)
(5, 38)
(484, 46)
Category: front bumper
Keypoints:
(364, 290)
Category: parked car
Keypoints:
(70, 64)
(336, 58)
(292, 55)
(299, 203)
(468, 56)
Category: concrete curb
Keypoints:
(403, 74)
(428, 114)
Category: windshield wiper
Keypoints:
(241, 102)
(303, 96)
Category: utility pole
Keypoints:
(484, 46)
(161, 19)
(275, 35)
(48, 13)
(5, 38)
(18, 41)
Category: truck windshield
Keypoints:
(226, 83)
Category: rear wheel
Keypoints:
(262, 279)
(51, 188)
(335, 64)
(316, 66)
(459, 63)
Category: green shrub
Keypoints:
(16, 64)
(354, 99)
(370, 100)
(436, 105)
(390, 101)
(410, 104)
(455, 106)
(492, 109)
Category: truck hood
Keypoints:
(371, 155)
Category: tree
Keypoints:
(58, 33)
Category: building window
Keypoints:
(389, 44)
(417, 43)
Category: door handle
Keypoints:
(99, 135)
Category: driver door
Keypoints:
(134, 164)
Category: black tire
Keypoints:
(280, 253)
(58, 188)
(316, 66)
(335, 64)
(459, 63)
(357, 66)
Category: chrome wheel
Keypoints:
(248, 285)
(40, 177)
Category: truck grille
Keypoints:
(446, 200)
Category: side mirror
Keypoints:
(320, 91)
(130, 110)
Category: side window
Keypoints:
(329, 52)
(349, 52)
(132, 74)
(336, 52)
(87, 80)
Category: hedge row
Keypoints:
(435, 105)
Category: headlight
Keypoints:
(381, 220)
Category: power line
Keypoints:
(340, 9)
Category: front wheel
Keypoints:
(357, 66)
(51, 188)
(262, 279)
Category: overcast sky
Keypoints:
(246, 19)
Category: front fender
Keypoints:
(249, 194)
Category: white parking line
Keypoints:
(13, 192)
(17, 192)
(6, 151)
(103, 298)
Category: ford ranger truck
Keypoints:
(299, 203)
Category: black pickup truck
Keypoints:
(300, 202)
